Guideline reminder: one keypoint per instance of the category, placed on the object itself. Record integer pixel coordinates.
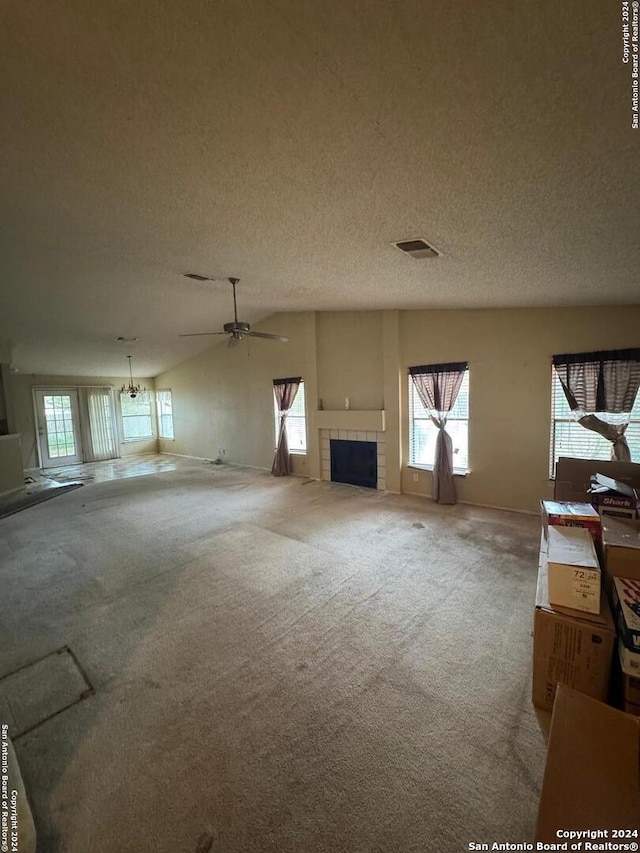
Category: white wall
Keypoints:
(11, 473)
(358, 376)
(223, 397)
(509, 353)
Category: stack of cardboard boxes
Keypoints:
(589, 592)
(586, 627)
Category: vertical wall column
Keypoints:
(391, 379)
(311, 392)
(7, 403)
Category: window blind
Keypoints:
(569, 438)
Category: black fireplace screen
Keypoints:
(354, 462)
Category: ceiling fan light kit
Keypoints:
(236, 329)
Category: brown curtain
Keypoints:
(285, 391)
(598, 384)
(438, 386)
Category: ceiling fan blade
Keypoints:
(280, 338)
(200, 334)
(234, 341)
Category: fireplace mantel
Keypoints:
(365, 420)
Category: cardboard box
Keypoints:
(629, 660)
(625, 688)
(591, 778)
(573, 476)
(613, 498)
(571, 514)
(626, 611)
(574, 570)
(630, 690)
(621, 548)
(569, 646)
(625, 600)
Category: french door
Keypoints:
(58, 426)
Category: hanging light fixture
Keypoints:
(132, 390)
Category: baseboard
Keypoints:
(472, 503)
(246, 465)
(13, 491)
(186, 456)
(225, 464)
(320, 480)
(416, 494)
(503, 508)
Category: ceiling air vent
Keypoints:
(197, 277)
(417, 249)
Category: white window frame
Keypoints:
(599, 447)
(140, 398)
(160, 414)
(294, 415)
(414, 403)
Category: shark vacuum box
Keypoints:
(574, 570)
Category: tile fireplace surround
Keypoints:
(354, 435)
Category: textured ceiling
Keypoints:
(289, 142)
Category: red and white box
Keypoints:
(570, 514)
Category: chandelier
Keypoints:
(131, 389)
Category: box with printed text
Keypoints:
(626, 610)
(571, 514)
(569, 646)
(574, 569)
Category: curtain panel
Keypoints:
(601, 388)
(98, 423)
(438, 386)
(285, 391)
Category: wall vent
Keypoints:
(417, 248)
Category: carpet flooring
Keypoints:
(19, 501)
(277, 665)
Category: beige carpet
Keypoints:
(278, 666)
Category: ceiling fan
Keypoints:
(236, 330)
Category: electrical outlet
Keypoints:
(416, 477)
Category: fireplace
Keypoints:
(354, 462)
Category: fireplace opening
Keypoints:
(354, 462)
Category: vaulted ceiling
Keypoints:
(289, 143)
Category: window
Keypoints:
(569, 438)
(136, 417)
(296, 423)
(423, 432)
(164, 409)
